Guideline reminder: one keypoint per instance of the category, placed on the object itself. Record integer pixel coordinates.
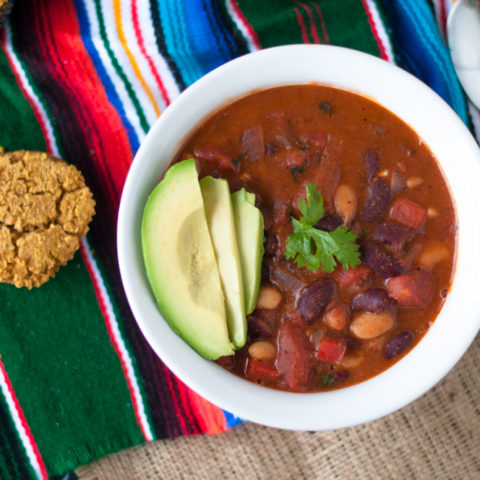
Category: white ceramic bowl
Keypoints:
(459, 157)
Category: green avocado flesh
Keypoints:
(220, 220)
(249, 228)
(181, 264)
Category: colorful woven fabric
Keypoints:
(85, 79)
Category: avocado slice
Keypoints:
(218, 208)
(249, 227)
(180, 262)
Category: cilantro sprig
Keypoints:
(314, 248)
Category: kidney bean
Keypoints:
(329, 223)
(377, 201)
(371, 164)
(293, 356)
(370, 325)
(269, 298)
(398, 344)
(381, 262)
(253, 143)
(341, 375)
(345, 202)
(374, 300)
(258, 327)
(271, 244)
(270, 147)
(393, 234)
(414, 289)
(314, 299)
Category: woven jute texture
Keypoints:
(436, 437)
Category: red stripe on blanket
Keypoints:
(250, 30)
(71, 67)
(322, 22)
(211, 418)
(113, 339)
(371, 21)
(141, 44)
(33, 105)
(301, 24)
(313, 27)
(23, 421)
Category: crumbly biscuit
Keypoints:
(5, 9)
(45, 209)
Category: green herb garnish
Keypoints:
(327, 380)
(315, 248)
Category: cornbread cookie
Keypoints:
(5, 9)
(45, 208)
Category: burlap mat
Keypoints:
(436, 437)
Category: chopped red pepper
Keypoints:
(408, 213)
(331, 351)
(261, 370)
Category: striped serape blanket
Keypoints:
(85, 80)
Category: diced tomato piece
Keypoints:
(352, 276)
(257, 369)
(331, 351)
(295, 158)
(408, 213)
(414, 289)
(211, 153)
(319, 139)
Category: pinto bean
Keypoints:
(315, 298)
(377, 201)
(336, 315)
(432, 255)
(262, 351)
(352, 360)
(329, 223)
(269, 298)
(398, 344)
(293, 358)
(381, 262)
(393, 234)
(371, 325)
(345, 202)
(371, 164)
(374, 300)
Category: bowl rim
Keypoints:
(300, 411)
